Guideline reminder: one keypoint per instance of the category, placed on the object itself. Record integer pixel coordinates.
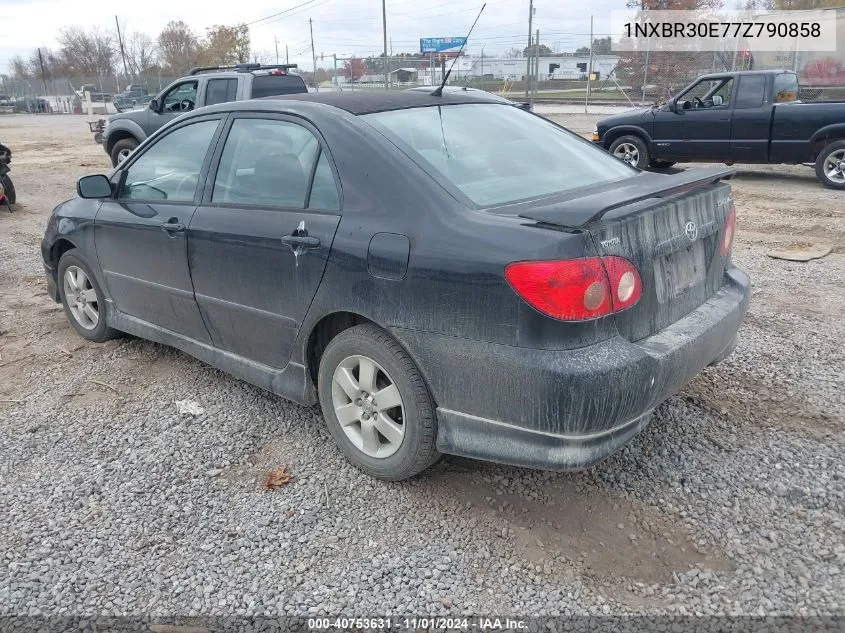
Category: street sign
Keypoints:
(441, 44)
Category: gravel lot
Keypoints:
(731, 502)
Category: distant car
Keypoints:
(466, 89)
(734, 117)
(443, 274)
(202, 87)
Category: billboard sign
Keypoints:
(441, 44)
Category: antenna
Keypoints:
(438, 92)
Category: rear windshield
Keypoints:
(270, 85)
(496, 154)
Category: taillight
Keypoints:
(277, 71)
(625, 282)
(728, 233)
(576, 289)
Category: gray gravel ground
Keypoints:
(113, 503)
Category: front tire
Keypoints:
(82, 298)
(632, 150)
(377, 405)
(121, 150)
(830, 165)
(661, 164)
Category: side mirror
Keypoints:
(154, 105)
(673, 105)
(96, 186)
(717, 100)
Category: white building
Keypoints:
(569, 67)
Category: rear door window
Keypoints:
(266, 163)
(752, 89)
(221, 91)
(271, 85)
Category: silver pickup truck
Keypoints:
(203, 86)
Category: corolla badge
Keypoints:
(691, 231)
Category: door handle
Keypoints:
(303, 241)
(173, 226)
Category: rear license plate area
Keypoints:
(678, 272)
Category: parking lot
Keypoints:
(114, 502)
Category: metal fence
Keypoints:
(601, 78)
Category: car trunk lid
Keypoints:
(669, 227)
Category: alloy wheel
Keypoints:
(627, 152)
(81, 297)
(368, 406)
(834, 166)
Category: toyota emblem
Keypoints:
(691, 230)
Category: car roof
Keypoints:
(367, 102)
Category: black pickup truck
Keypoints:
(735, 117)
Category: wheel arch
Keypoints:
(824, 137)
(321, 334)
(625, 130)
(124, 130)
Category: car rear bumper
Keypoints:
(568, 409)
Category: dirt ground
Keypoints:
(788, 379)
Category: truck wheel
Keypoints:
(376, 404)
(122, 149)
(661, 164)
(632, 150)
(830, 165)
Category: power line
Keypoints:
(267, 17)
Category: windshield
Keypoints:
(496, 154)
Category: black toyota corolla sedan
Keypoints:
(443, 274)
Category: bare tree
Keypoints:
(177, 47)
(18, 68)
(90, 52)
(140, 52)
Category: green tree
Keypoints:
(225, 45)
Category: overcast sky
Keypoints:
(344, 27)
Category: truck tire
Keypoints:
(632, 150)
(122, 149)
(661, 164)
(830, 165)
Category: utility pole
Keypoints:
(482, 68)
(276, 40)
(122, 51)
(384, 28)
(43, 76)
(536, 69)
(589, 67)
(336, 82)
(528, 61)
(313, 56)
(287, 57)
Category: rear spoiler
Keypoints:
(645, 186)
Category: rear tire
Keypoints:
(121, 150)
(408, 447)
(9, 188)
(830, 165)
(632, 150)
(85, 311)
